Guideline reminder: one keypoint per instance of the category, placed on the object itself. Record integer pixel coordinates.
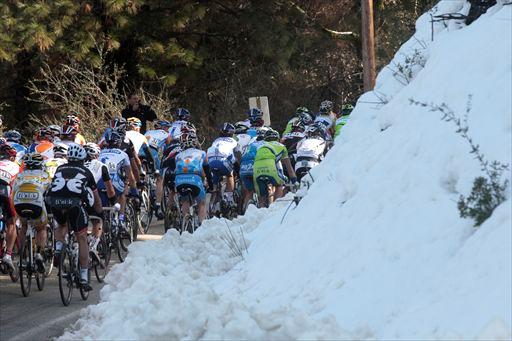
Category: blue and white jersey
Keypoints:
(20, 150)
(175, 130)
(116, 160)
(190, 161)
(157, 138)
(247, 162)
(244, 140)
(222, 148)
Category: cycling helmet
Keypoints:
(188, 128)
(118, 124)
(43, 134)
(60, 150)
(315, 131)
(55, 129)
(260, 134)
(241, 127)
(2, 141)
(12, 136)
(305, 118)
(298, 126)
(255, 114)
(346, 109)
(227, 129)
(92, 150)
(7, 151)
(271, 135)
(76, 152)
(301, 110)
(189, 140)
(68, 132)
(326, 106)
(33, 160)
(72, 120)
(134, 122)
(182, 114)
(162, 124)
(113, 138)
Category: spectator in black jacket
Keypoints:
(136, 109)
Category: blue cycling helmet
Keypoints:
(12, 136)
(227, 129)
(113, 138)
(182, 114)
(161, 124)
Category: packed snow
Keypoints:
(376, 248)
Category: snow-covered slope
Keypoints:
(376, 249)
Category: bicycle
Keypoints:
(113, 232)
(172, 211)
(219, 206)
(27, 266)
(103, 250)
(69, 270)
(3, 249)
(190, 221)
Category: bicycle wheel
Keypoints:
(104, 253)
(16, 261)
(66, 269)
(25, 267)
(49, 251)
(145, 211)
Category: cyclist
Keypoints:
(60, 153)
(246, 167)
(311, 150)
(222, 161)
(74, 121)
(181, 118)
(158, 138)
(293, 137)
(43, 143)
(191, 168)
(140, 142)
(301, 114)
(345, 111)
(13, 138)
(55, 129)
(72, 188)
(9, 169)
(268, 170)
(68, 134)
(100, 172)
(29, 190)
(119, 168)
(326, 116)
(242, 137)
(256, 121)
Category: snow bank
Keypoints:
(376, 248)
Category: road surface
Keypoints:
(41, 315)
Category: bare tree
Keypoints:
(89, 91)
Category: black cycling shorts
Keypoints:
(76, 215)
(8, 210)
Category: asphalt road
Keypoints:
(41, 315)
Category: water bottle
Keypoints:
(117, 207)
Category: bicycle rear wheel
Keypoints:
(40, 279)
(145, 211)
(66, 269)
(49, 251)
(104, 253)
(25, 268)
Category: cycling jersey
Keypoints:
(157, 140)
(116, 161)
(45, 148)
(98, 169)
(253, 131)
(247, 161)
(79, 139)
(72, 186)
(52, 164)
(175, 129)
(20, 150)
(291, 139)
(137, 139)
(189, 171)
(326, 120)
(267, 165)
(311, 147)
(8, 172)
(289, 125)
(243, 142)
(28, 194)
(340, 122)
(222, 148)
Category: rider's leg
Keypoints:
(83, 251)
(185, 205)
(10, 234)
(201, 210)
(159, 188)
(279, 192)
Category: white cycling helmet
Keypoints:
(60, 150)
(92, 150)
(76, 152)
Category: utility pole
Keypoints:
(368, 45)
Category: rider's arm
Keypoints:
(97, 202)
(131, 178)
(289, 168)
(149, 158)
(105, 176)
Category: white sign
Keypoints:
(261, 102)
